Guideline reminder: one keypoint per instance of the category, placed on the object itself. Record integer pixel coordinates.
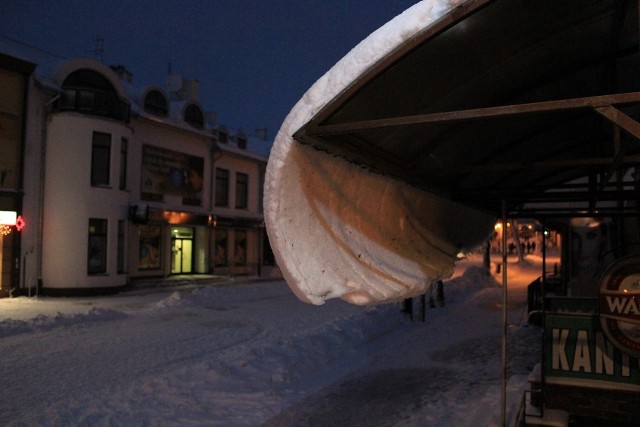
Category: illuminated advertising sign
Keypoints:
(173, 173)
(620, 304)
(579, 353)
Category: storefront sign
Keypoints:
(620, 305)
(577, 352)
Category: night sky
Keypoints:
(254, 58)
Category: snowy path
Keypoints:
(166, 358)
(424, 377)
(250, 354)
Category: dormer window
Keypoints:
(223, 135)
(242, 142)
(156, 103)
(89, 92)
(193, 115)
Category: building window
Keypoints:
(242, 190)
(220, 253)
(193, 115)
(122, 251)
(261, 191)
(100, 159)
(156, 103)
(92, 93)
(12, 87)
(240, 248)
(223, 135)
(222, 187)
(97, 253)
(124, 150)
(241, 140)
(150, 245)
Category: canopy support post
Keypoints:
(503, 412)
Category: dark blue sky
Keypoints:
(254, 58)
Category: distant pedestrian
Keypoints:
(436, 294)
(407, 307)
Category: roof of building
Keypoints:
(178, 91)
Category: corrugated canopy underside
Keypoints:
(502, 101)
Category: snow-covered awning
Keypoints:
(407, 148)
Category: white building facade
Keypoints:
(121, 184)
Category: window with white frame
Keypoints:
(222, 187)
(242, 190)
(97, 249)
(124, 152)
(100, 159)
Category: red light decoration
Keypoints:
(20, 223)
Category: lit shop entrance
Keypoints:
(181, 250)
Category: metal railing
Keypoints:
(94, 102)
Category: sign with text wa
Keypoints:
(578, 353)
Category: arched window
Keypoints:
(156, 103)
(91, 93)
(88, 79)
(193, 115)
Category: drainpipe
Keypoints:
(214, 155)
(24, 270)
(503, 412)
(43, 156)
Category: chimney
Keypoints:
(173, 82)
(262, 133)
(123, 73)
(190, 89)
(211, 117)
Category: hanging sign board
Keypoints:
(578, 353)
(620, 304)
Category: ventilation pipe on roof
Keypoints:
(173, 82)
(190, 89)
(211, 118)
(123, 73)
(262, 133)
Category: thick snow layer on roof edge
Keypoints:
(339, 230)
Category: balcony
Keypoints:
(94, 102)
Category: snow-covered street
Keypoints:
(253, 354)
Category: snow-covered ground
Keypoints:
(252, 354)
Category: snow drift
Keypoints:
(340, 230)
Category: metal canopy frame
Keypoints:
(541, 201)
(482, 150)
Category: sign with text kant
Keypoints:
(579, 353)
